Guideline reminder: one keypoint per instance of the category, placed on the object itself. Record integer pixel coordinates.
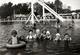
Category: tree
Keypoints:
(6, 10)
(22, 8)
(58, 5)
(38, 9)
(51, 5)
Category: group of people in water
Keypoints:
(38, 35)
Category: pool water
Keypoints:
(45, 47)
(36, 48)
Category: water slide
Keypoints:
(41, 2)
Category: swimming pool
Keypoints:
(39, 48)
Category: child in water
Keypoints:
(43, 35)
(38, 33)
(14, 38)
(58, 38)
(31, 35)
(48, 36)
(67, 40)
(67, 37)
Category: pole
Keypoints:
(43, 13)
(32, 12)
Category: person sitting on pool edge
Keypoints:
(14, 38)
(67, 40)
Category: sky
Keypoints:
(75, 4)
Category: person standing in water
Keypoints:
(38, 34)
(30, 37)
(57, 38)
(14, 38)
(67, 40)
(48, 35)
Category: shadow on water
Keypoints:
(45, 47)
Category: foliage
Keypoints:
(21, 8)
(8, 9)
